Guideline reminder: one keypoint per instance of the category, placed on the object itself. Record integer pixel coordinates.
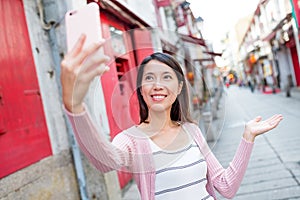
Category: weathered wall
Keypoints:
(51, 178)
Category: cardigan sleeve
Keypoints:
(103, 154)
(226, 181)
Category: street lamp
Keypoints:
(199, 24)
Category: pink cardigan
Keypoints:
(130, 151)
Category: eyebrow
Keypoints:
(151, 73)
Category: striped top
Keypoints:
(180, 174)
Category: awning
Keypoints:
(204, 60)
(191, 39)
(278, 26)
(270, 36)
(168, 47)
(213, 53)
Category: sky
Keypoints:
(220, 16)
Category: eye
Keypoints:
(149, 78)
(168, 77)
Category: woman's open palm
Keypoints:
(256, 126)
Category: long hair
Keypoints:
(180, 110)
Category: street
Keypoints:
(274, 168)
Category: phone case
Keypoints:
(85, 20)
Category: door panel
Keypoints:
(117, 85)
(23, 133)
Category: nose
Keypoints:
(157, 85)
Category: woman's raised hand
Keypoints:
(78, 68)
(257, 127)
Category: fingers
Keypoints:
(78, 46)
(274, 120)
(95, 65)
(93, 60)
(97, 72)
(84, 53)
(78, 54)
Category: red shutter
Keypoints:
(23, 132)
(143, 44)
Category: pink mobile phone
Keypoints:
(85, 20)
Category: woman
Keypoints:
(166, 152)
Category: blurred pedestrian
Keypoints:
(251, 84)
(166, 152)
(288, 85)
(259, 81)
(271, 83)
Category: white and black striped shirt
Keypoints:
(180, 174)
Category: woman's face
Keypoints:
(160, 86)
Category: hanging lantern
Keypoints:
(190, 76)
(252, 59)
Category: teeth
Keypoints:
(158, 97)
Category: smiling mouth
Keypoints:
(158, 97)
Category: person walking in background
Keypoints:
(166, 152)
(288, 85)
(250, 83)
(258, 81)
(271, 83)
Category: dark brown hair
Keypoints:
(180, 110)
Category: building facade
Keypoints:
(269, 51)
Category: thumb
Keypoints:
(258, 118)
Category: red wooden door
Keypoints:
(23, 132)
(119, 83)
(143, 44)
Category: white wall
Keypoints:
(48, 85)
(144, 9)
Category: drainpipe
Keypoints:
(50, 26)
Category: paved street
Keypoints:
(274, 168)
